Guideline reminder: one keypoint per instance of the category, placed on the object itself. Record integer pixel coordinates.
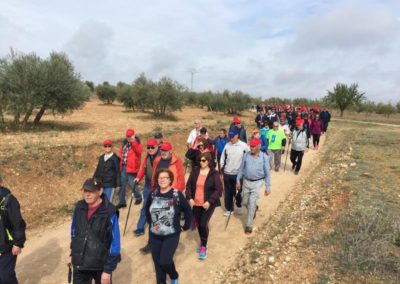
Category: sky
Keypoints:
(288, 49)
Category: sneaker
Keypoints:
(239, 211)
(248, 230)
(203, 253)
(293, 166)
(138, 232)
(121, 205)
(276, 170)
(296, 172)
(138, 201)
(174, 281)
(228, 213)
(146, 249)
(198, 248)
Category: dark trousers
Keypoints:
(296, 157)
(202, 218)
(315, 139)
(86, 276)
(7, 268)
(326, 126)
(163, 249)
(230, 192)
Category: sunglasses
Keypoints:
(203, 160)
(107, 146)
(150, 147)
(201, 145)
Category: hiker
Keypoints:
(326, 118)
(231, 159)
(146, 170)
(265, 129)
(95, 238)
(163, 211)
(108, 171)
(130, 153)
(262, 138)
(255, 172)
(271, 117)
(201, 147)
(238, 126)
(12, 235)
(194, 133)
(283, 124)
(260, 118)
(203, 191)
(167, 160)
(299, 145)
(159, 138)
(316, 129)
(203, 134)
(276, 145)
(219, 144)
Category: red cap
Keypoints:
(236, 119)
(152, 142)
(107, 142)
(130, 132)
(254, 142)
(166, 146)
(299, 122)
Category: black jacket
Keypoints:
(12, 226)
(91, 242)
(108, 172)
(212, 186)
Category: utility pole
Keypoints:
(192, 72)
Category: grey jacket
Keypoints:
(299, 140)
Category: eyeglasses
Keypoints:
(203, 160)
(107, 146)
(150, 147)
(163, 178)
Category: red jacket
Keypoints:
(176, 166)
(134, 156)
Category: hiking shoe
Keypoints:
(138, 232)
(276, 170)
(293, 166)
(228, 213)
(248, 230)
(121, 205)
(138, 201)
(146, 249)
(296, 172)
(203, 253)
(198, 248)
(174, 281)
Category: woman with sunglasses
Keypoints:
(203, 190)
(108, 171)
(163, 210)
(201, 147)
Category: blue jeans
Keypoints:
(142, 218)
(109, 192)
(127, 179)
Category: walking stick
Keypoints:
(230, 212)
(129, 210)
(69, 273)
(287, 154)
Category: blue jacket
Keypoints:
(220, 144)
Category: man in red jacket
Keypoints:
(130, 153)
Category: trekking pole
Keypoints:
(287, 154)
(129, 209)
(230, 212)
(69, 273)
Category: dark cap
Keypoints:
(92, 184)
(158, 135)
(232, 133)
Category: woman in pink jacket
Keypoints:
(316, 129)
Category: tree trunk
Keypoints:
(27, 115)
(341, 112)
(39, 115)
(16, 119)
(1, 115)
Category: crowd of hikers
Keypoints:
(231, 164)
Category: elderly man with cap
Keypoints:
(276, 145)
(231, 158)
(108, 170)
(238, 126)
(130, 153)
(12, 234)
(95, 238)
(146, 171)
(254, 170)
(299, 144)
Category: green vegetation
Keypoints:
(344, 96)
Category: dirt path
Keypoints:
(43, 260)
